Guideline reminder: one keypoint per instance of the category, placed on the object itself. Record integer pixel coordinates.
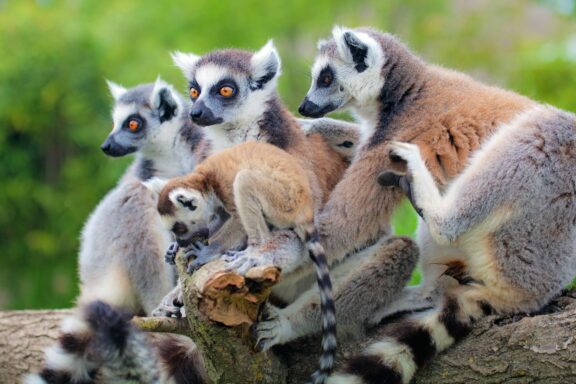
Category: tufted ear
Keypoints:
(163, 100)
(265, 65)
(356, 48)
(116, 90)
(186, 62)
(155, 185)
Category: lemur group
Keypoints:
(233, 175)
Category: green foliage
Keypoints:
(54, 107)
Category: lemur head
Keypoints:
(140, 116)
(346, 72)
(227, 86)
(190, 213)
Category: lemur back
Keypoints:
(263, 186)
(123, 241)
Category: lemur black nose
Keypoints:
(196, 114)
(302, 107)
(105, 147)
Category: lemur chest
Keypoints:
(222, 137)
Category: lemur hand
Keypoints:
(171, 252)
(200, 254)
(172, 305)
(243, 261)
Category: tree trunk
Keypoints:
(539, 349)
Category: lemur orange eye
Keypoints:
(194, 93)
(226, 91)
(133, 125)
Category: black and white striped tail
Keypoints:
(68, 360)
(408, 345)
(100, 344)
(318, 256)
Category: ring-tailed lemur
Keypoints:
(259, 185)
(98, 344)
(123, 242)
(234, 97)
(448, 116)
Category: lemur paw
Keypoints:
(407, 152)
(198, 254)
(272, 329)
(171, 252)
(243, 261)
(172, 305)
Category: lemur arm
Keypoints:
(472, 199)
(342, 136)
(359, 210)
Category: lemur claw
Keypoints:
(201, 254)
(243, 261)
(171, 252)
(271, 329)
(172, 305)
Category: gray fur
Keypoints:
(517, 196)
(107, 348)
(123, 242)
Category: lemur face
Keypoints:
(229, 85)
(187, 215)
(138, 116)
(346, 73)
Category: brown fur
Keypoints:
(218, 173)
(452, 117)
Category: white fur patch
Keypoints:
(60, 360)
(438, 331)
(74, 325)
(116, 90)
(396, 355)
(33, 379)
(185, 61)
(120, 113)
(343, 378)
(265, 59)
(208, 75)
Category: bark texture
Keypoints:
(531, 349)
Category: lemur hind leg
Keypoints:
(260, 200)
(364, 282)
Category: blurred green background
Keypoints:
(54, 105)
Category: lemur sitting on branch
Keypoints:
(261, 186)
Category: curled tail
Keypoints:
(411, 343)
(318, 256)
(100, 344)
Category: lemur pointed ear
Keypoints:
(185, 61)
(356, 48)
(116, 90)
(265, 65)
(155, 185)
(321, 44)
(162, 100)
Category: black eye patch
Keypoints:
(325, 78)
(134, 123)
(225, 83)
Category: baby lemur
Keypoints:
(490, 171)
(261, 186)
